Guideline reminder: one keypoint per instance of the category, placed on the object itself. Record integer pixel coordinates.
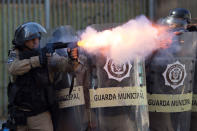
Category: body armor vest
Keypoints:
(32, 87)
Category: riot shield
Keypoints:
(194, 102)
(117, 95)
(169, 74)
(71, 115)
(72, 111)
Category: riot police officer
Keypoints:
(71, 115)
(32, 69)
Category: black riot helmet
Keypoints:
(181, 13)
(27, 31)
(63, 34)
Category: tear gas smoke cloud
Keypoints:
(136, 38)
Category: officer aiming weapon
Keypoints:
(51, 47)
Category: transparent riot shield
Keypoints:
(117, 94)
(71, 114)
(169, 74)
(118, 100)
(194, 102)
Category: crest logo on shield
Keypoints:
(117, 71)
(175, 74)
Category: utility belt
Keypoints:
(33, 113)
(20, 116)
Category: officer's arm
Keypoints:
(61, 64)
(19, 67)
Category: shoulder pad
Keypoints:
(12, 56)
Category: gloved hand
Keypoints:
(73, 53)
(43, 57)
(44, 53)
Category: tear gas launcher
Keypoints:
(52, 46)
(59, 45)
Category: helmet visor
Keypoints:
(31, 30)
(175, 22)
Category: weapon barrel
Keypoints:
(60, 45)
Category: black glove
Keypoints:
(43, 57)
(48, 49)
